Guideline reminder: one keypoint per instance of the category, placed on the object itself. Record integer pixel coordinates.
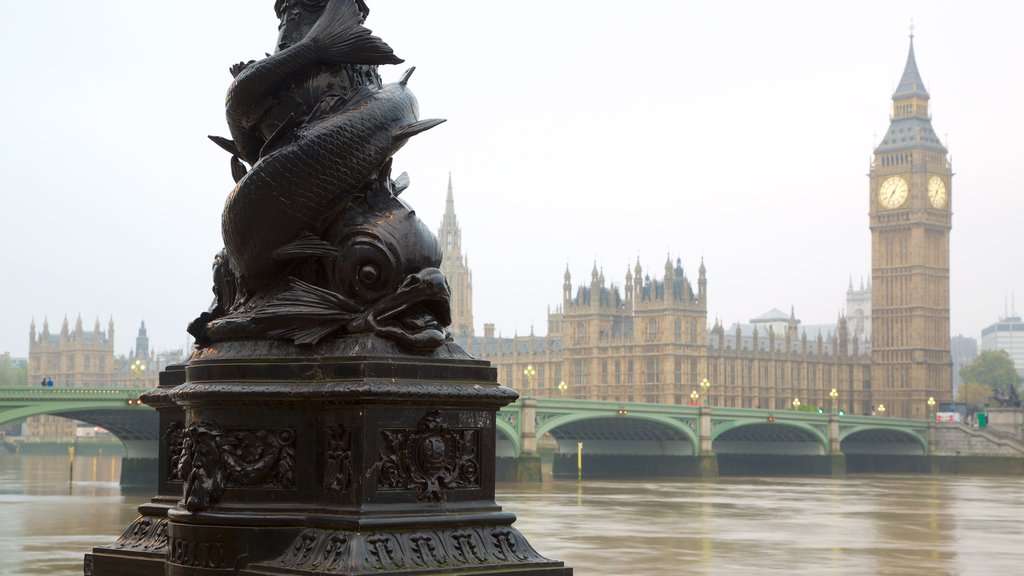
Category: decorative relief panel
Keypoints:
(336, 552)
(338, 460)
(213, 459)
(146, 534)
(174, 438)
(430, 458)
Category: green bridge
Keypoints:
(610, 438)
(659, 439)
(118, 410)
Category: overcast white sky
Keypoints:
(578, 131)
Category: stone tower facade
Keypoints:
(858, 310)
(455, 267)
(910, 198)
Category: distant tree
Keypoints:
(12, 375)
(973, 393)
(993, 368)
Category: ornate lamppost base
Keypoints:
(319, 461)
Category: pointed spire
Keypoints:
(96, 326)
(911, 85)
(449, 206)
(78, 324)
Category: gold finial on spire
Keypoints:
(911, 29)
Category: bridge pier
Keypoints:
(707, 460)
(837, 460)
(139, 466)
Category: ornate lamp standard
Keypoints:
(834, 394)
(704, 386)
(931, 408)
(694, 397)
(562, 387)
(138, 368)
(530, 374)
(881, 409)
(796, 403)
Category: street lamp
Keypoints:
(881, 409)
(530, 374)
(796, 403)
(562, 387)
(138, 368)
(704, 386)
(833, 395)
(694, 397)
(931, 408)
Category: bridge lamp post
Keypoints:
(881, 409)
(138, 368)
(834, 394)
(562, 387)
(796, 403)
(530, 374)
(931, 408)
(704, 386)
(694, 397)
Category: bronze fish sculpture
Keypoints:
(291, 266)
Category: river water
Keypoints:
(858, 525)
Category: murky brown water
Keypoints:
(866, 525)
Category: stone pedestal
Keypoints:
(327, 461)
(1008, 421)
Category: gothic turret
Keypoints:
(567, 287)
(455, 267)
(142, 342)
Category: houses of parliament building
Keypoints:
(651, 341)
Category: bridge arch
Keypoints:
(135, 426)
(757, 436)
(507, 440)
(882, 440)
(609, 434)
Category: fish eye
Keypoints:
(369, 275)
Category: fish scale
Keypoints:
(288, 192)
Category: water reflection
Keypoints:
(905, 525)
(48, 523)
(860, 525)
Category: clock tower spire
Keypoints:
(910, 219)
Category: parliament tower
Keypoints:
(910, 201)
(455, 267)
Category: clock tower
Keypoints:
(910, 213)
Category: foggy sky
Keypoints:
(579, 132)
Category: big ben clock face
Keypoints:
(893, 192)
(937, 192)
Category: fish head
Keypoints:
(387, 263)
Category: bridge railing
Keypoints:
(39, 393)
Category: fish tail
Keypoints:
(341, 38)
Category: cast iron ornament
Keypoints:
(317, 243)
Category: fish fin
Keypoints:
(305, 313)
(406, 75)
(284, 130)
(238, 170)
(228, 145)
(401, 183)
(305, 245)
(324, 107)
(341, 38)
(410, 130)
(380, 190)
